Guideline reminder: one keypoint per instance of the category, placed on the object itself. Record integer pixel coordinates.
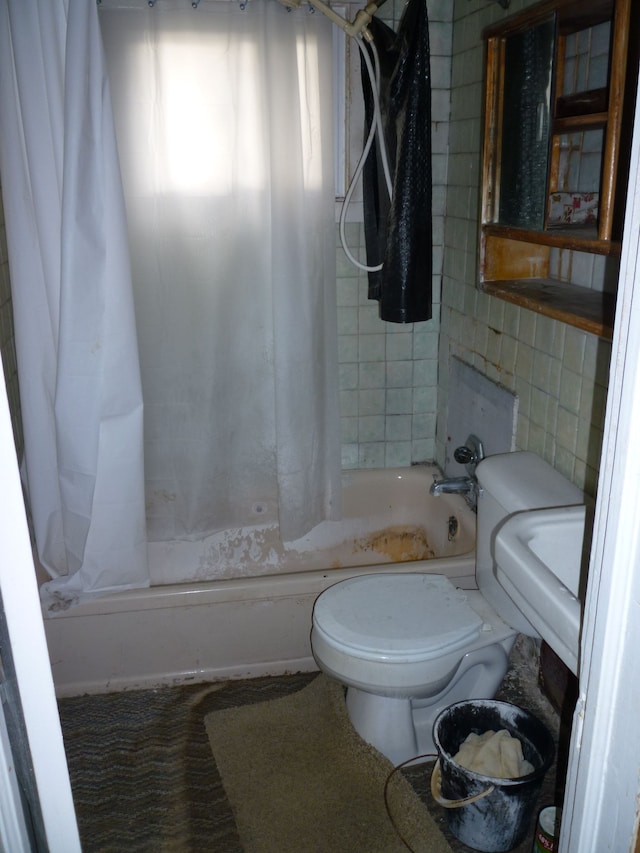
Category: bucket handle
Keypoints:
(436, 777)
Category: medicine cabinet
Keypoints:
(559, 93)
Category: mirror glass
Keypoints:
(525, 126)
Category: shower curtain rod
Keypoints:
(357, 27)
(351, 28)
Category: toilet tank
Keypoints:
(510, 483)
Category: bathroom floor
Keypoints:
(142, 773)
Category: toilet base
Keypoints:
(401, 728)
(386, 722)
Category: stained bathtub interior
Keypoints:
(388, 517)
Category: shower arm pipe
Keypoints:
(360, 22)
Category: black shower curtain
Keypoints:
(398, 231)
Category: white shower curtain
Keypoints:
(224, 127)
(225, 135)
(73, 310)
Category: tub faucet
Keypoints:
(470, 455)
(465, 486)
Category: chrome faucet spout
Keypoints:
(452, 485)
(465, 486)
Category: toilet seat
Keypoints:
(395, 618)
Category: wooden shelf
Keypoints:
(579, 124)
(579, 238)
(585, 103)
(579, 15)
(589, 310)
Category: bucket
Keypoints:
(487, 813)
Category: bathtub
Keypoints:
(243, 608)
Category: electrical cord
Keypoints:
(386, 793)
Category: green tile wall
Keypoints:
(559, 373)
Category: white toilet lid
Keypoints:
(396, 617)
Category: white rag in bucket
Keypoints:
(495, 754)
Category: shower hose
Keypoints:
(373, 69)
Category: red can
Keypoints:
(547, 831)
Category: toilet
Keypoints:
(407, 645)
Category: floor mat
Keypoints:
(300, 779)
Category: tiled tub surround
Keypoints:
(388, 378)
(389, 371)
(394, 380)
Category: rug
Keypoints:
(300, 779)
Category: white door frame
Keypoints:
(23, 615)
(603, 784)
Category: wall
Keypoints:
(559, 373)
(393, 381)
(389, 372)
